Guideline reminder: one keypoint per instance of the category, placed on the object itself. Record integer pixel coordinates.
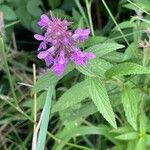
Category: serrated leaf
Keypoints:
(48, 79)
(104, 48)
(126, 69)
(9, 13)
(130, 101)
(95, 67)
(100, 98)
(72, 96)
(114, 57)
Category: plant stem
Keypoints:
(88, 7)
(138, 7)
(115, 22)
(2, 49)
(35, 97)
(82, 12)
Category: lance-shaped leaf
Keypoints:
(100, 98)
(126, 69)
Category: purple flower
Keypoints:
(81, 34)
(44, 21)
(59, 44)
(81, 58)
(59, 65)
(40, 38)
(46, 56)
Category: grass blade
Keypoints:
(45, 119)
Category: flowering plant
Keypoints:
(59, 44)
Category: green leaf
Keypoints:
(127, 136)
(100, 98)
(130, 102)
(125, 24)
(24, 16)
(74, 95)
(83, 111)
(49, 79)
(45, 118)
(94, 40)
(114, 57)
(40, 101)
(104, 48)
(144, 4)
(54, 3)
(33, 8)
(95, 67)
(9, 14)
(126, 69)
(141, 144)
(1, 1)
(66, 134)
(142, 122)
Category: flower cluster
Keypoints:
(59, 45)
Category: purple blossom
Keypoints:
(81, 34)
(43, 22)
(40, 38)
(81, 58)
(46, 56)
(59, 44)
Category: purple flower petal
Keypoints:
(39, 37)
(48, 60)
(90, 55)
(46, 56)
(42, 54)
(81, 34)
(44, 20)
(78, 57)
(42, 46)
(58, 69)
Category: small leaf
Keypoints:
(125, 24)
(9, 14)
(94, 40)
(49, 79)
(74, 95)
(104, 48)
(130, 102)
(33, 8)
(126, 69)
(127, 136)
(100, 98)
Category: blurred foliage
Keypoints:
(105, 105)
